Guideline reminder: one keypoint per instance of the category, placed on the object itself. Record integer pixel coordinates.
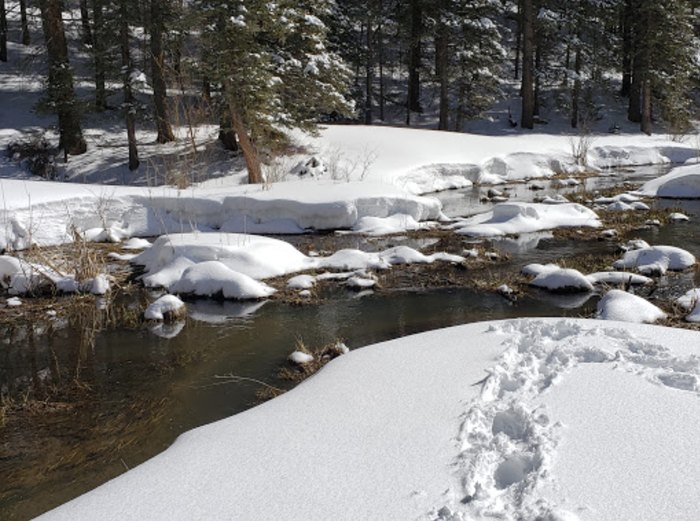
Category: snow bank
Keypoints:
(524, 419)
(423, 161)
(625, 307)
(680, 183)
(45, 213)
(211, 278)
(515, 218)
(656, 260)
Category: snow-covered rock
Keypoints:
(562, 280)
(167, 305)
(300, 358)
(212, 278)
(656, 260)
(691, 302)
(301, 282)
(678, 217)
(625, 307)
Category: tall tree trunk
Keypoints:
(3, 32)
(646, 126)
(576, 91)
(250, 154)
(99, 55)
(227, 135)
(627, 15)
(369, 70)
(518, 39)
(380, 51)
(634, 108)
(61, 79)
(129, 102)
(159, 8)
(24, 22)
(441, 69)
(528, 95)
(85, 23)
(538, 76)
(414, 58)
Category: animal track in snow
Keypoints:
(507, 443)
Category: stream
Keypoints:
(126, 394)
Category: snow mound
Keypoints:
(210, 278)
(301, 282)
(691, 302)
(562, 280)
(680, 183)
(255, 256)
(625, 307)
(514, 218)
(165, 305)
(656, 260)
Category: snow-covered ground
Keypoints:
(552, 419)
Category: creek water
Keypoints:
(126, 394)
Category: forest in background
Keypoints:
(256, 68)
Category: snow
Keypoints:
(370, 181)
(656, 260)
(136, 244)
(301, 282)
(515, 218)
(678, 217)
(211, 278)
(617, 277)
(300, 358)
(690, 302)
(682, 182)
(207, 264)
(167, 304)
(558, 419)
(562, 279)
(45, 213)
(622, 306)
(13, 302)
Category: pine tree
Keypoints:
(271, 62)
(61, 93)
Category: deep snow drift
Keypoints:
(528, 419)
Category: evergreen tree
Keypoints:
(271, 63)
